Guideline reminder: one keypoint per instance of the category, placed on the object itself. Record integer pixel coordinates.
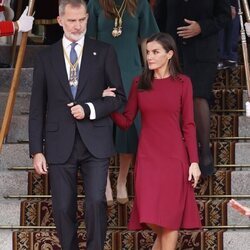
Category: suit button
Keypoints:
(186, 1)
(184, 42)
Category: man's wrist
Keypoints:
(16, 27)
(33, 155)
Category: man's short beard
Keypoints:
(74, 37)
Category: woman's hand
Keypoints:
(194, 173)
(239, 208)
(109, 92)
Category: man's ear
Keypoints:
(59, 20)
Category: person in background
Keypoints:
(195, 26)
(166, 169)
(24, 24)
(70, 128)
(229, 40)
(122, 23)
(46, 12)
(8, 28)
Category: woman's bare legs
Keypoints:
(166, 239)
(157, 230)
(125, 162)
(169, 239)
(109, 193)
(122, 195)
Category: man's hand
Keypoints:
(194, 173)
(77, 111)
(39, 164)
(191, 30)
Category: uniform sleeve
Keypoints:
(188, 125)
(124, 120)
(221, 16)
(93, 19)
(147, 22)
(6, 28)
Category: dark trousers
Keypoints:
(63, 182)
(229, 39)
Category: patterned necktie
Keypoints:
(74, 71)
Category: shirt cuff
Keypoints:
(92, 115)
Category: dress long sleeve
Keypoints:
(188, 125)
(125, 120)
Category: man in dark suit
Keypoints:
(69, 116)
(229, 40)
(195, 25)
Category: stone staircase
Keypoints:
(26, 220)
(240, 185)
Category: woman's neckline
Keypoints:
(162, 78)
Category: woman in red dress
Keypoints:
(167, 167)
(24, 24)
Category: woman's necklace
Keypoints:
(117, 30)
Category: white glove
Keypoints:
(25, 22)
(247, 27)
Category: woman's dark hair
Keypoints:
(109, 10)
(168, 43)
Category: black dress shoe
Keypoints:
(221, 65)
(230, 64)
(4, 65)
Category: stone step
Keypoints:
(242, 153)
(230, 78)
(13, 155)
(120, 240)
(240, 182)
(21, 103)
(225, 99)
(244, 126)
(38, 212)
(245, 97)
(6, 238)
(236, 219)
(218, 184)
(12, 183)
(25, 79)
(236, 240)
(9, 212)
(30, 53)
(18, 129)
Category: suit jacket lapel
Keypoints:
(59, 67)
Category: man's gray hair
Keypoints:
(75, 3)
